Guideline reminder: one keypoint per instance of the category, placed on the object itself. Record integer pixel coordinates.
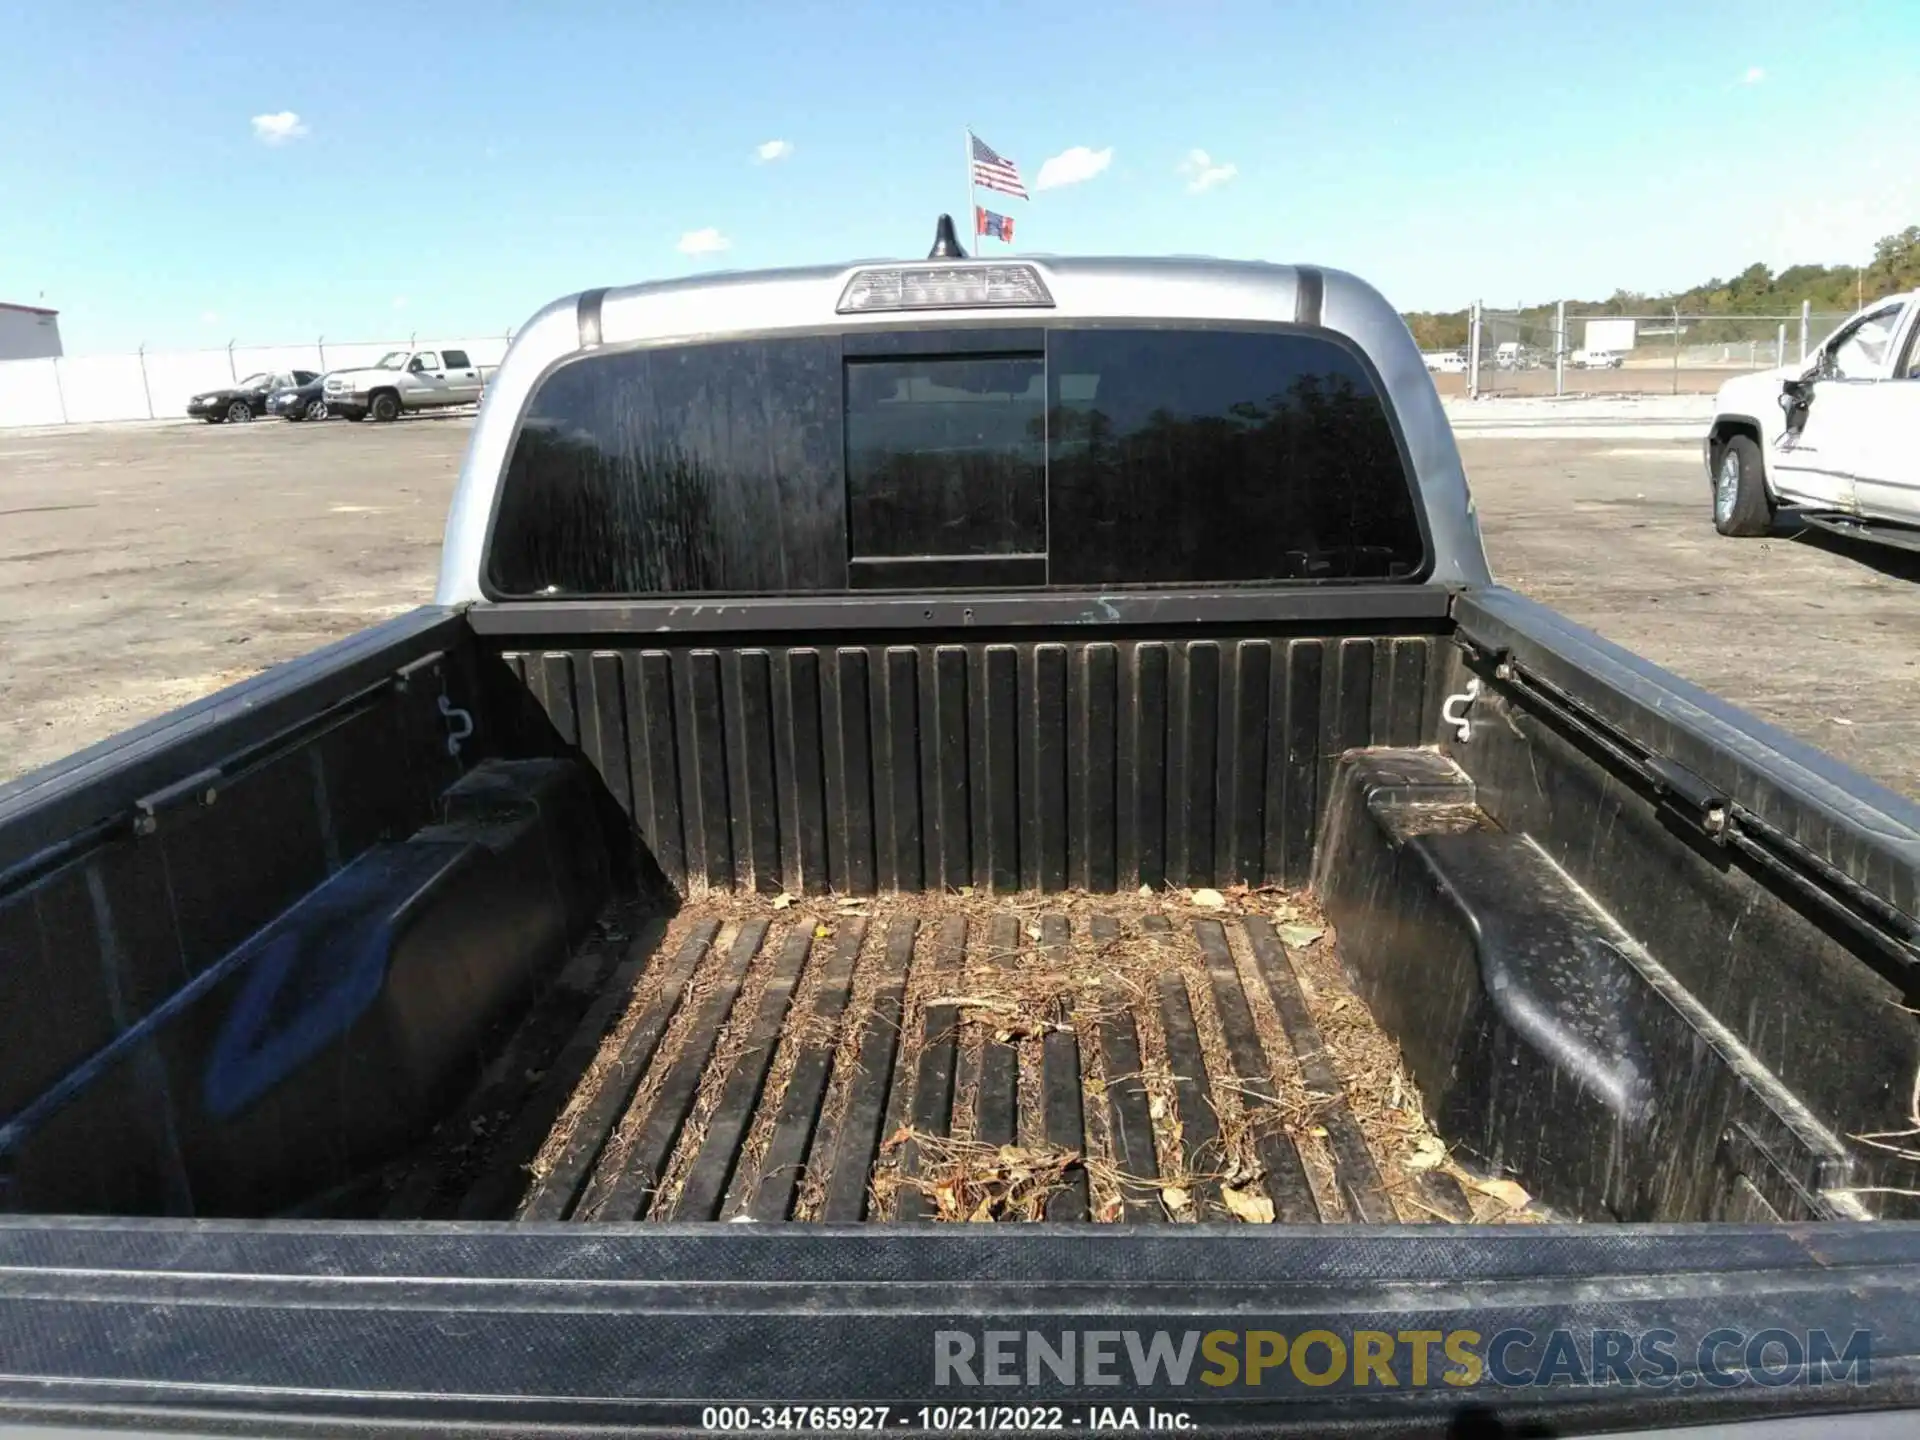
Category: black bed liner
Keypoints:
(840, 1064)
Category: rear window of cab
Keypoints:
(1044, 457)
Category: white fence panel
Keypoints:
(270, 359)
(29, 393)
(352, 355)
(103, 387)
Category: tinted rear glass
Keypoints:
(1220, 456)
(688, 469)
(947, 457)
(1112, 457)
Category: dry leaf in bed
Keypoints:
(1175, 1197)
(1428, 1151)
(821, 932)
(1209, 899)
(1033, 932)
(1298, 937)
(966, 891)
(1505, 1191)
(1146, 889)
(782, 900)
(1248, 1205)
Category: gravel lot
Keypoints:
(141, 567)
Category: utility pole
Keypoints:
(1676, 349)
(1473, 352)
(1560, 349)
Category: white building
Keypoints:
(28, 332)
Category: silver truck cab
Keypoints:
(952, 292)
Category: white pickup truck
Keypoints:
(407, 380)
(1836, 436)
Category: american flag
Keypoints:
(985, 222)
(994, 171)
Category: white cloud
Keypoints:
(1755, 74)
(1203, 172)
(209, 317)
(278, 128)
(399, 302)
(703, 242)
(773, 150)
(1070, 167)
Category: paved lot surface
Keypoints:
(140, 568)
(1818, 636)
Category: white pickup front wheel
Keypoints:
(1740, 503)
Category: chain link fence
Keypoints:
(1569, 350)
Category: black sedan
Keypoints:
(304, 401)
(247, 399)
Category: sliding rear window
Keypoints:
(1066, 457)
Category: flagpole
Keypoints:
(973, 205)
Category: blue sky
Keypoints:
(454, 166)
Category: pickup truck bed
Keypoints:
(451, 925)
(1113, 1058)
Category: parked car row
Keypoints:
(250, 398)
(399, 381)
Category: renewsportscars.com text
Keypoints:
(1252, 1359)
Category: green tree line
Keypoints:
(1756, 290)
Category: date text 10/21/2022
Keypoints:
(952, 1419)
(1257, 1360)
